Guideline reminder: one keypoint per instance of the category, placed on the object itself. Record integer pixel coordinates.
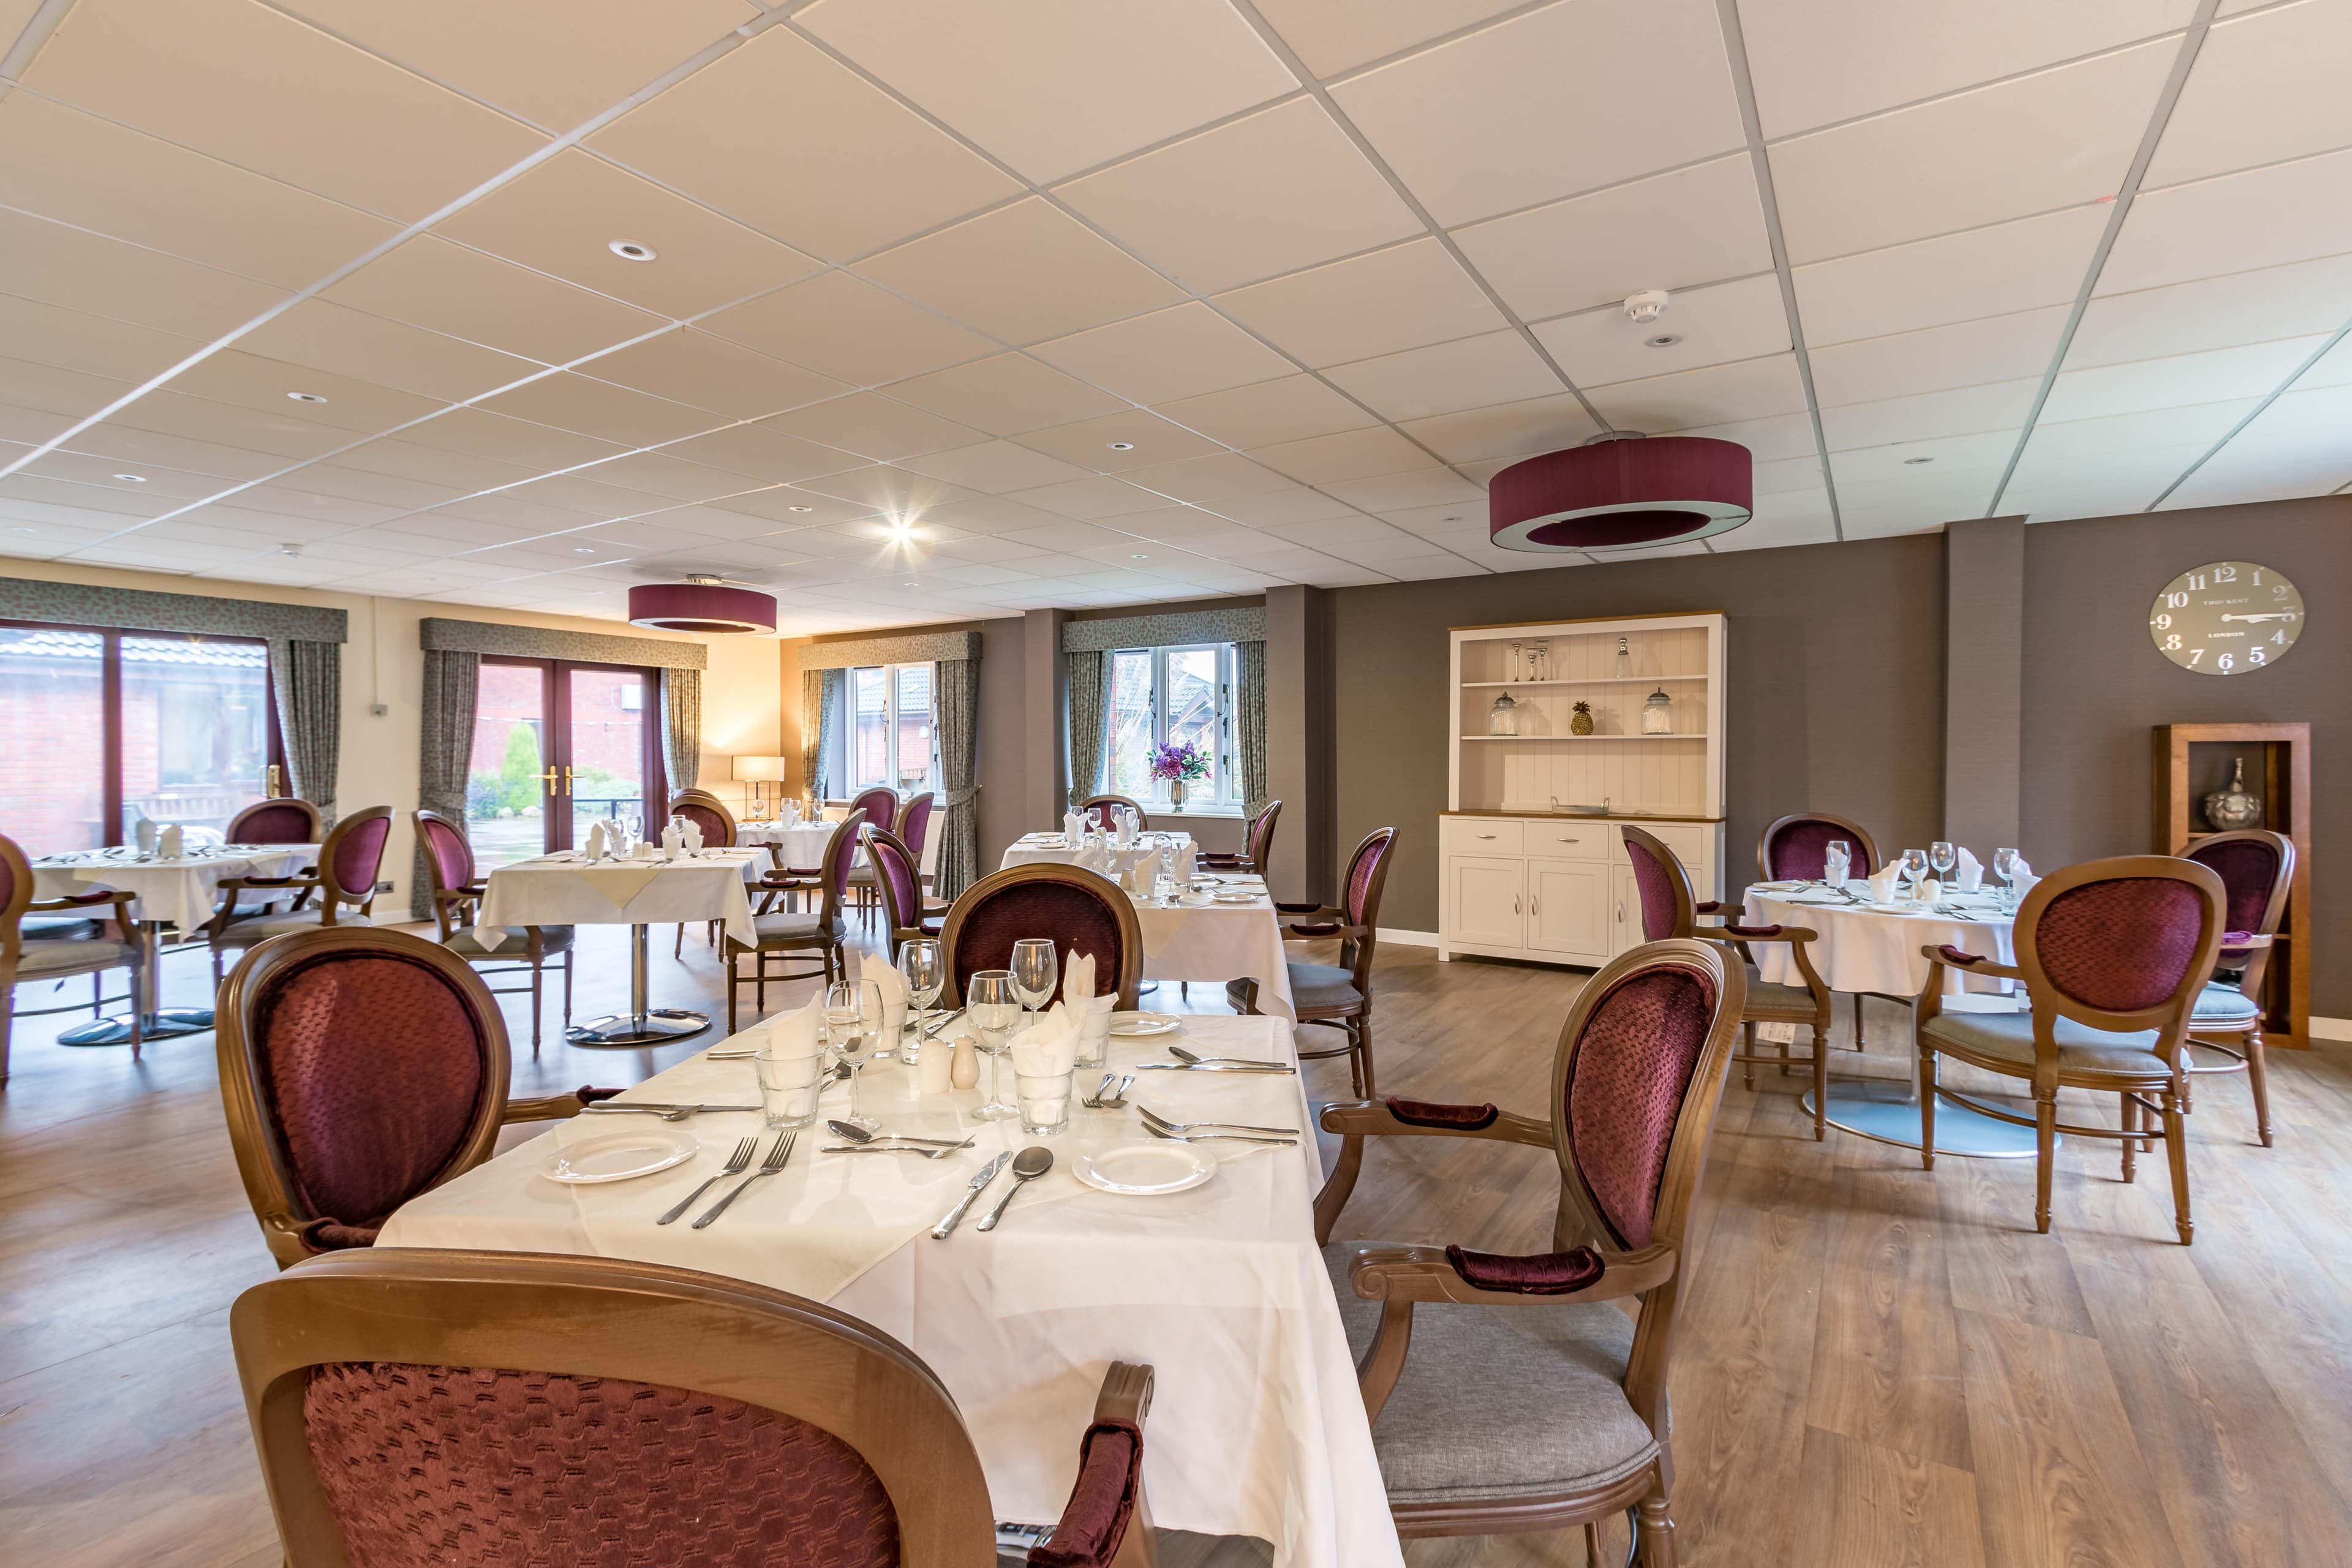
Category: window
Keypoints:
(1169, 696)
(103, 727)
(891, 737)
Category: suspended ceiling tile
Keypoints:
(86, 468)
(1561, 100)
(1927, 415)
(1022, 273)
(411, 461)
(278, 98)
(1982, 452)
(324, 336)
(1711, 326)
(564, 217)
(431, 283)
(1422, 568)
(49, 334)
(555, 62)
(1349, 455)
(693, 367)
(1280, 506)
(789, 508)
(1403, 298)
(1934, 359)
(874, 426)
(1117, 78)
(996, 466)
(2254, 370)
(1289, 408)
(1089, 498)
(1471, 373)
(1005, 395)
(171, 412)
(984, 517)
(2061, 443)
(2264, 87)
(761, 451)
(119, 500)
(1333, 38)
(510, 439)
(1201, 532)
(1203, 482)
(339, 481)
(80, 270)
(2294, 300)
(1278, 191)
(2264, 217)
(846, 327)
(267, 385)
(1816, 61)
(1178, 352)
(1392, 492)
(1536, 424)
(1994, 271)
(80, 169)
(1111, 443)
(1671, 231)
(1752, 389)
(2044, 141)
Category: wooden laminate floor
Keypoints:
(1877, 1366)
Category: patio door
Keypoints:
(557, 745)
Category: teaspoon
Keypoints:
(1027, 1166)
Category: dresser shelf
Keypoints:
(1581, 740)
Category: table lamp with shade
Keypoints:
(759, 772)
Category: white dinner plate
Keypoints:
(1235, 896)
(619, 1156)
(1142, 1170)
(1137, 1024)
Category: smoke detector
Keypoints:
(1645, 306)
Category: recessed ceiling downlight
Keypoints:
(1915, 462)
(1663, 341)
(800, 509)
(1122, 445)
(630, 250)
(307, 397)
(132, 478)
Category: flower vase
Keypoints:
(1176, 794)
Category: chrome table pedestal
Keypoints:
(642, 1024)
(155, 1022)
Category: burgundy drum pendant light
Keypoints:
(1620, 490)
(701, 604)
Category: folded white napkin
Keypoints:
(1093, 1012)
(2021, 877)
(599, 843)
(1884, 884)
(1078, 977)
(1971, 875)
(693, 834)
(1146, 870)
(1048, 1047)
(1095, 858)
(1186, 858)
(893, 987)
(789, 814)
(799, 1034)
(1074, 826)
(171, 843)
(673, 838)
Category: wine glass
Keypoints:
(1941, 858)
(1914, 865)
(1163, 889)
(1837, 862)
(993, 1008)
(851, 1038)
(919, 961)
(1036, 971)
(2004, 871)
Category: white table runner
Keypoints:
(181, 893)
(561, 892)
(1256, 1425)
(1877, 949)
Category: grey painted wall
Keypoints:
(2096, 685)
(1836, 670)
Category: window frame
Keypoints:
(1224, 780)
(891, 720)
(110, 706)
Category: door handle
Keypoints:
(567, 778)
(548, 778)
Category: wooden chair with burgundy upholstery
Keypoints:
(1669, 908)
(1097, 810)
(1552, 1412)
(359, 1069)
(905, 911)
(414, 1406)
(1257, 846)
(281, 820)
(913, 828)
(1077, 908)
(1339, 994)
(880, 805)
(2113, 954)
(349, 863)
(2257, 871)
(1795, 848)
(75, 947)
(708, 814)
(783, 936)
(457, 904)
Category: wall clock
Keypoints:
(2226, 617)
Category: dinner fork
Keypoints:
(1228, 1137)
(1153, 1120)
(735, 1162)
(768, 1167)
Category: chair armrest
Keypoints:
(1712, 906)
(1324, 911)
(71, 901)
(302, 879)
(554, 1107)
(1397, 1118)
(1105, 1504)
(1740, 933)
(2244, 941)
(1947, 956)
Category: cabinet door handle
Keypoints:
(1535, 906)
(1515, 906)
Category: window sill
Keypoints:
(1213, 813)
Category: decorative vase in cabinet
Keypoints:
(1658, 714)
(1503, 719)
(2230, 809)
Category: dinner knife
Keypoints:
(979, 1184)
(1209, 1066)
(614, 1107)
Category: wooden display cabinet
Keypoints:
(2192, 761)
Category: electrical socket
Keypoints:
(383, 887)
(380, 709)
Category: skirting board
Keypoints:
(1429, 939)
(2321, 1028)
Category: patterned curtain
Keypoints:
(1087, 714)
(681, 712)
(828, 727)
(956, 689)
(1249, 723)
(452, 681)
(813, 731)
(308, 677)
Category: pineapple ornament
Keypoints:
(1580, 723)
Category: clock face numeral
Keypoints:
(2226, 617)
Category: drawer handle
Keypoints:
(1571, 841)
(1486, 835)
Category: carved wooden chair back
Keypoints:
(1075, 906)
(287, 819)
(880, 805)
(1794, 847)
(2122, 945)
(913, 828)
(706, 811)
(2257, 871)
(900, 880)
(1669, 908)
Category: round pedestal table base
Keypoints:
(658, 1026)
(163, 1024)
(1888, 1111)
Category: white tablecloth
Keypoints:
(557, 890)
(1256, 1427)
(1874, 948)
(803, 843)
(1220, 942)
(181, 893)
(1042, 847)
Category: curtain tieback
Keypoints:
(952, 798)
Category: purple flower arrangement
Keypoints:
(1177, 763)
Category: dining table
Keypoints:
(1864, 945)
(177, 893)
(685, 888)
(802, 843)
(1199, 936)
(1257, 1427)
(1035, 848)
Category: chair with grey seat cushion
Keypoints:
(2257, 871)
(75, 946)
(1339, 994)
(2113, 954)
(457, 897)
(343, 882)
(1508, 1393)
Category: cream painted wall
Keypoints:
(382, 663)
